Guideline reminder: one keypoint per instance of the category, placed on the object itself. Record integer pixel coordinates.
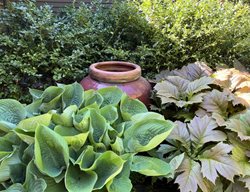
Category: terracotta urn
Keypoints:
(125, 75)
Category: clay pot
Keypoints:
(125, 75)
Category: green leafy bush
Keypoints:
(39, 47)
(187, 31)
(71, 140)
(209, 144)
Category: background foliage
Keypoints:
(39, 47)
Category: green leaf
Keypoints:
(87, 158)
(150, 166)
(73, 95)
(51, 99)
(217, 160)
(91, 97)
(130, 107)
(146, 135)
(110, 113)
(11, 113)
(148, 115)
(111, 95)
(34, 184)
(190, 177)
(17, 187)
(30, 124)
(36, 94)
(97, 128)
(106, 166)
(241, 125)
(77, 180)
(66, 118)
(51, 152)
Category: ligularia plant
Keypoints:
(73, 140)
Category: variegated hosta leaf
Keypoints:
(191, 178)
(66, 118)
(11, 113)
(146, 135)
(182, 92)
(111, 95)
(241, 125)
(202, 131)
(217, 160)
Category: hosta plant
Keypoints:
(209, 146)
(73, 140)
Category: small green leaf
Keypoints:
(92, 97)
(110, 113)
(111, 95)
(78, 181)
(66, 118)
(51, 151)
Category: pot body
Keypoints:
(124, 75)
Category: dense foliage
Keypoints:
(71, 140)
(211, 140)
(39, 47)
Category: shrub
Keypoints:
(39, 47)
(71, 140)
(206, 30)
(210, 142)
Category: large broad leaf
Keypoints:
(146, 135)
(130, 107)
(66, 118)
(182, 92)
(148, 115)
(107, 166)
(17, 187)
(202, 131)
(11, 113)
(97, 128)
(241, 125)
(73, 95)
(12, 159)
(51, 152)
(30, 124)
(87, 158)
(78, 181)
(216, 103)
(122, 183)
(34, 184)
(110, 113)
(91, 97)
(217, 160)
(51, 98)
(190, 177)
(150, 166)
(111, 95)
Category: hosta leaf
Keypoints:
(148, 115)
(51, 152)
(11, 111)
(150, 166)
(36, 94)
(130, 107)
(111, 95)
(98, 127)
(91, 97)
(107, 166)
(122, 183)
(78, 181)
(73, 95)
(146, 135)
(110, 113)
(87, 158)
(190, 177)
(51, 99)
(12, 159)
(241, 125)
(117, 146)
(66, 118)
(17, 187)
(33, 108)
(202, 131)
(34, 184)
(27, 137)
(30, 124)
(217, 160)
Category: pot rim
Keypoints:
(115, 71)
